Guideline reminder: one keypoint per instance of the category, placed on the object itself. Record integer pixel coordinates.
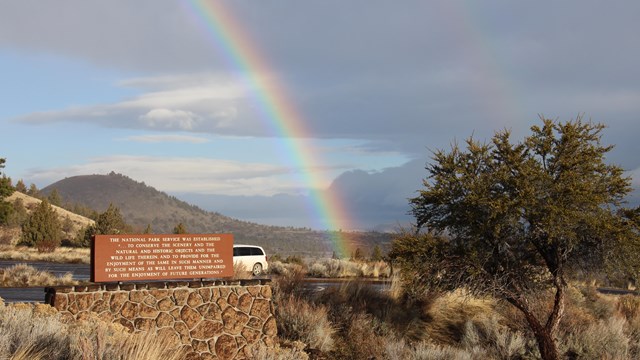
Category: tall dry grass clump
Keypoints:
(292, 351)
(24, 275)
(26, 335)
(29, 332)
(240, 271)
(450, 312)
(402, 350)
(595, 325)
(367, 319)
(603, 339)
(300, 320)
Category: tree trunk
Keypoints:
(543, 334)
(547, 345)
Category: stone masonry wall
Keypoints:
(212, 319)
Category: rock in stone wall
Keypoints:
(212, 319)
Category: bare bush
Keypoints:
(6, 239)
(362, 336)
(300, 320)
(290, 281)
(240, 271)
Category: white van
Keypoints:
(252, 257)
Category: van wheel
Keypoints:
(257, 269)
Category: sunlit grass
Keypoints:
(59, 255)
(24, 275)
(333, 268)
(28, 332)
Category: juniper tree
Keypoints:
(54, 198)
(20, 186)
(42, 229)
(180, 229)
(107, 223)
(376, 253)
(515, 219)
(6, 189)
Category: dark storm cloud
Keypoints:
(375, 70)
(408, 76)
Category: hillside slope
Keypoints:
(142, 205)
(30, 203)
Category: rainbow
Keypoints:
(278, 111)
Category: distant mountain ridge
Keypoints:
(143, 205)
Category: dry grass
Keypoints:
(9, 235)
(29, 333)
(332, 268)
(144, 346)
(401, 350)
(240, 271)
(299, 320)
(450, 312)
(335, 268)
(604, 339)
(30, 203)
(290, 351)
(369, 324)
(59, 255)
(24, 275)
(356, 321)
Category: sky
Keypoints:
(283, 112)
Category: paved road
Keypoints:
(30, 294)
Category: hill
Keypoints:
(143, 205)
(76, 222)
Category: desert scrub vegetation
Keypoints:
(357, 321)
(24, 275)
(59, 255)
(36, 332)
(330, 268)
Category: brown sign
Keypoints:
(161, 256)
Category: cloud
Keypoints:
(170, 119)
(180, 174)
(374, 200)
(210, 106)
(390, 79)
(166, 138)
(435, 71)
